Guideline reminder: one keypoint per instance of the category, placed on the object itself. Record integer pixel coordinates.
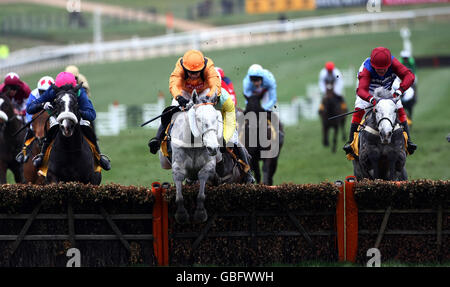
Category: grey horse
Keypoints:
(382, 153)
(195, 144)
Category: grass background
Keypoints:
(295, 64)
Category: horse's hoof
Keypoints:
(200, 216)
(182, 217)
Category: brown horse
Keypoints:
(39, 125)
(332, 105)
(10, 142)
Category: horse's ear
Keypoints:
(194, 96)
(55, 88)
(77, 87)
(213, 98)
(246, 97)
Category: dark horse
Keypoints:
(71, 157)
(332, 105)
(39, 125)
(264, 137)
(382, 152)
(10, 144)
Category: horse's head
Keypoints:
(6, 109)
(40, 121)
(66, 110)
(204, 122)
(329, 84)
(385, 114)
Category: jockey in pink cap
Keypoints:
(65, 78)
(66, 81)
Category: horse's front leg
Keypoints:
(325, 134)
(204, 174)
(335, 131)
(254, 164)
(181, 215)
(342, 124)
(374, 171)
(18, 173)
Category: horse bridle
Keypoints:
(210, 129)
(392, 125)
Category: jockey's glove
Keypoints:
(47, 106)
(373, 101)
(397, 93)
(182, 101)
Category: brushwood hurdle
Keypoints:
(248, 225)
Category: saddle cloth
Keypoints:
(44, 168)
(355, 143)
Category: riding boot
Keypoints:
(38, 159)
(411, 147)
(242, 155)
(22, 156)
(155, 143)
(347, 147)
(105, 163)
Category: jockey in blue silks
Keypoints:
(261, 82)
(43, 84)
(86, 110)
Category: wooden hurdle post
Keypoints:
(347, 220)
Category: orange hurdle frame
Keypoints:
(347, 220)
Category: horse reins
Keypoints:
(208, 130)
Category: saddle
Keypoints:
(44, 168)
(355, 143)
(166, 150)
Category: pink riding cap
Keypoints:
(64, 78)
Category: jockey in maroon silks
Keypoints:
(380, 70)
(17, 91)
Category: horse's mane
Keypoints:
(382, 93)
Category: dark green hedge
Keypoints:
(411, 195)
(422, 193)
(257, 251)
(87, 199)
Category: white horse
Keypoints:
(195, 138)
(382, 153)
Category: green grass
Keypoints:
(58, 32)
(294, 64)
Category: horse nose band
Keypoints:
(392, 125)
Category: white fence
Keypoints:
(39, 59)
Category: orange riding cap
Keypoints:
(179, 80)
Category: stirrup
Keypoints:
(411, 147)
(249, 178)
(38, 160)
(21, 158)
(348, 147)
(105, 162)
